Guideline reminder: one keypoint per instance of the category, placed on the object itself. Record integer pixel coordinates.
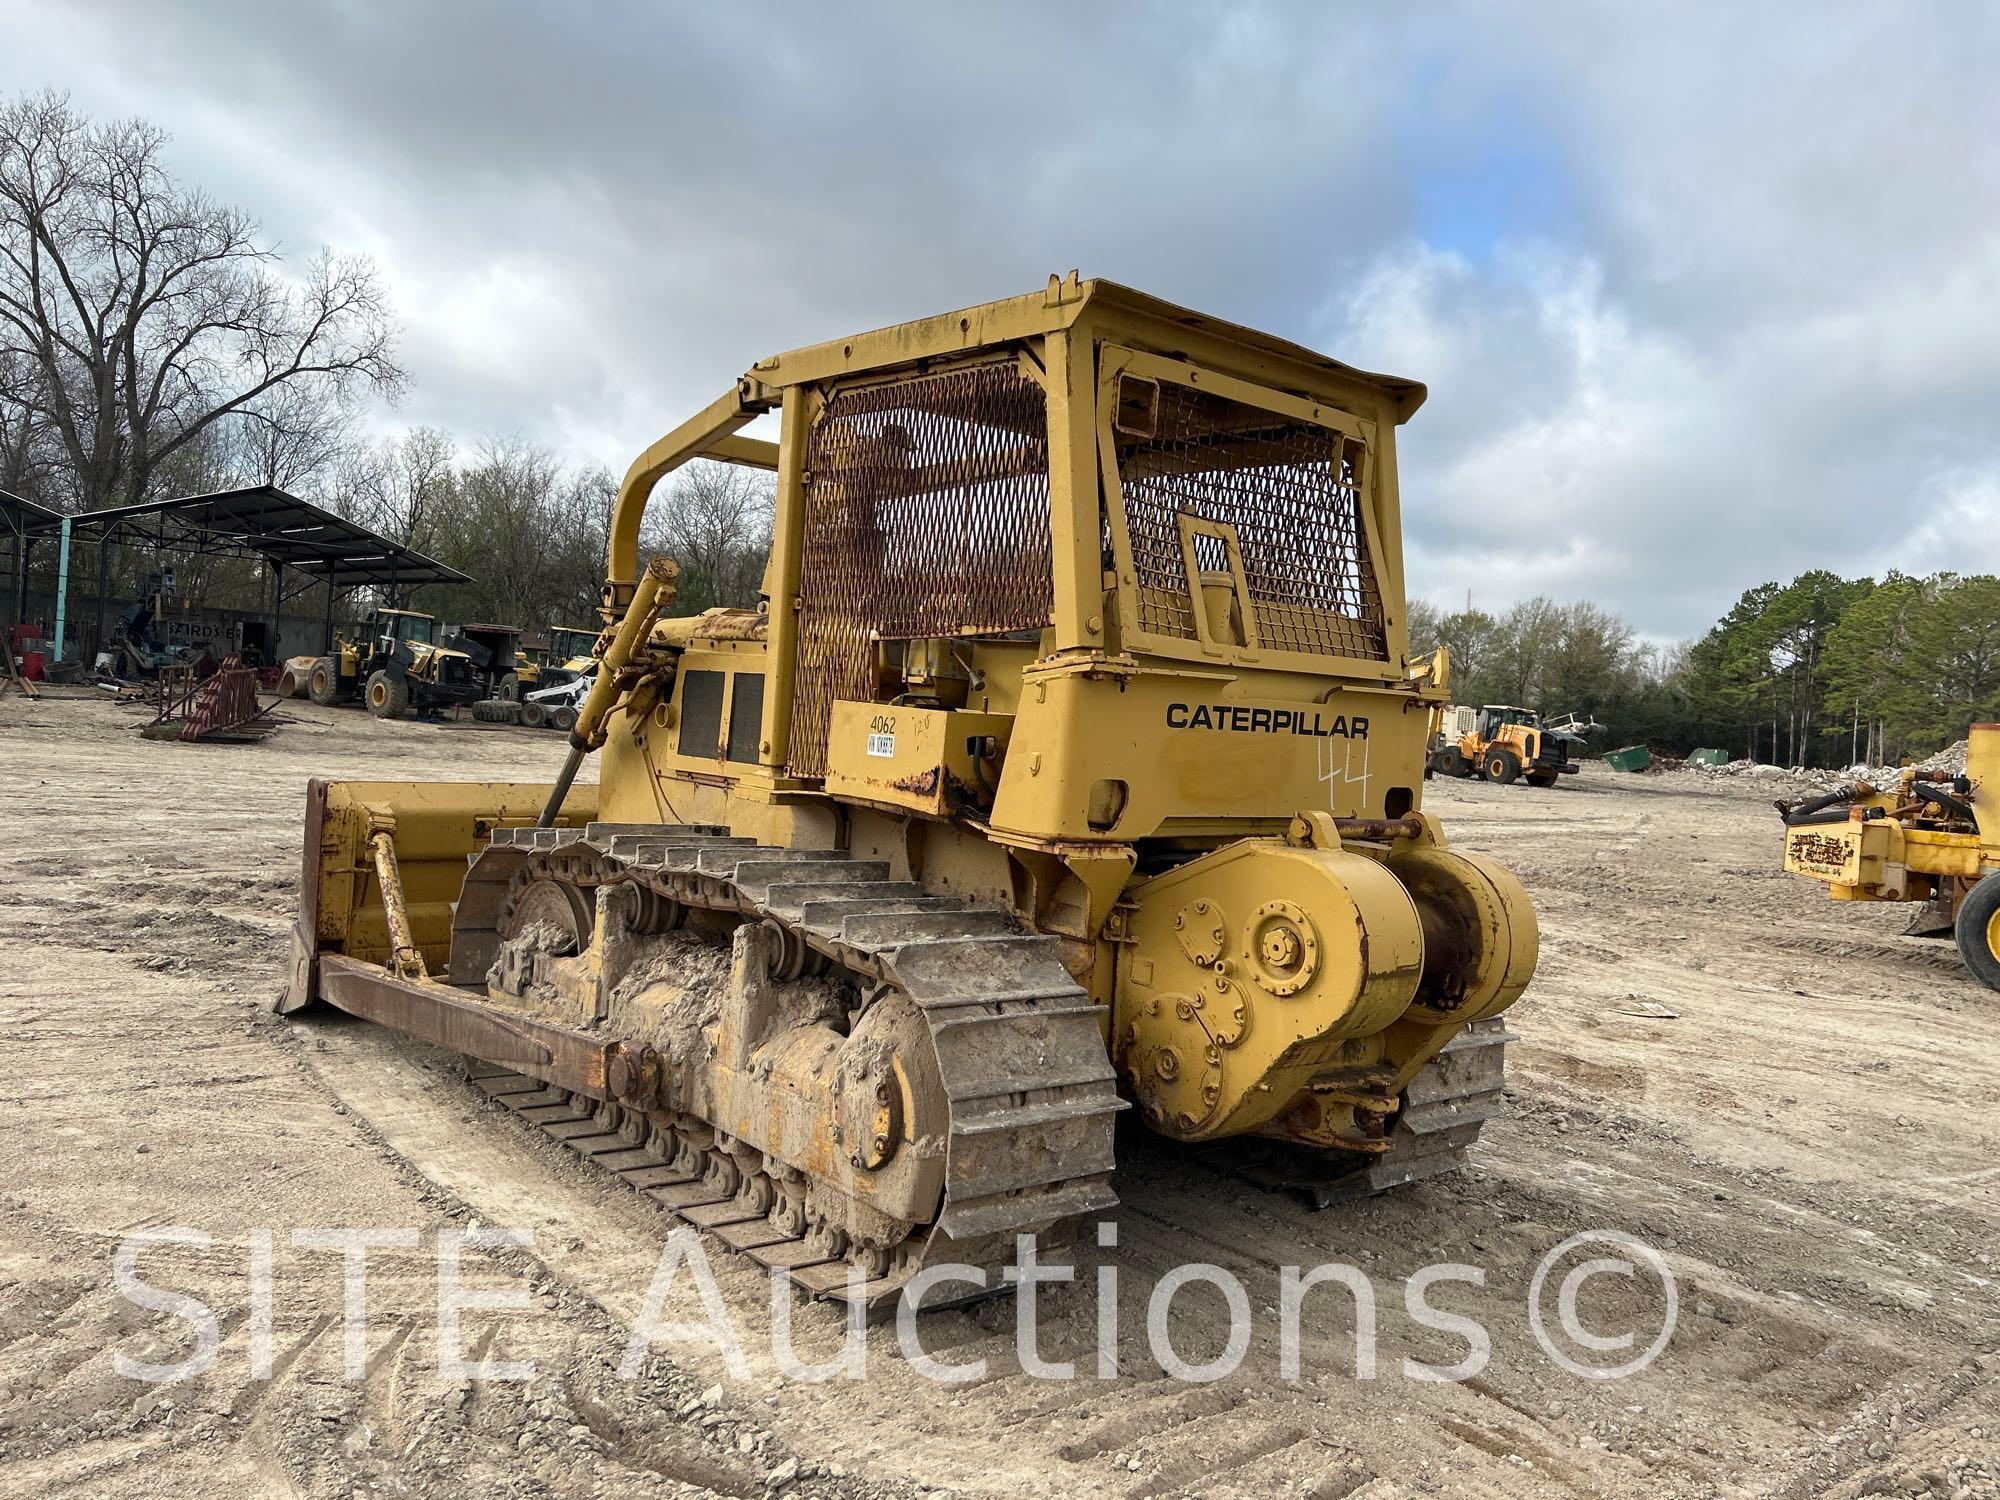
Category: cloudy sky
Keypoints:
(1703, 294)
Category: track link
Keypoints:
(1019, 1050)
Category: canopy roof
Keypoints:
(262, 520)
(24, 518)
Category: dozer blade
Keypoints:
(437, 828)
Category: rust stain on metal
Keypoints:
(917, 784)
(961, 795)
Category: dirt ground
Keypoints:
(1811, 1140)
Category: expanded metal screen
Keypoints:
(1286, 487)
(926, 514)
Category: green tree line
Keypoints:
(1827, 670)
(1821, 671)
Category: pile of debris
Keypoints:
(1755, 768)
(1949, 761)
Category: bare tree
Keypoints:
(578, 530)
(532, 534)
(293, 436)
(716, 521)
(403, 487)
(503, 527)
(146, 314)
(25, 467)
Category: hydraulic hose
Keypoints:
(1944, 802)
(1821, 809)
(1815, 811)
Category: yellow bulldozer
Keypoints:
(1933, 838)
(396, 666)
(1072, 764)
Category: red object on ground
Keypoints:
(34, 666)
(226, 699)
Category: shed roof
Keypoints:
(268, 522)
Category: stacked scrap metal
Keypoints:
(221, 706)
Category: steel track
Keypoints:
(1032, 1095)
(1032, 1092)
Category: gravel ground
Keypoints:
(1792, 1103)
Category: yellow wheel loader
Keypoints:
(1932, 838)
(395, 667)
(1073, 764)
(1503, 744)
(1434, 670)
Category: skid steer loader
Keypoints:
(1073, 764)
(557, 707)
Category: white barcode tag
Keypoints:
(882, 744)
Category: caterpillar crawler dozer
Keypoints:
(1932, 837)
(1072, 765)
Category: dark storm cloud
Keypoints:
(1701, 297)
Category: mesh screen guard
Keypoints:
(1287, 487)
(926, 514)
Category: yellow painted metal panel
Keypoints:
(920, 758)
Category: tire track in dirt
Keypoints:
(1834, 1302)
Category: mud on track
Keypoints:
(1811, 1143)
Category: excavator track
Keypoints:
(1031, 1096)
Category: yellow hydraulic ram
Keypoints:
(655, 591)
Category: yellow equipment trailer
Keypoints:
(1932, 838)
(1074, 761)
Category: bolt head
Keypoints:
(621, 1075)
